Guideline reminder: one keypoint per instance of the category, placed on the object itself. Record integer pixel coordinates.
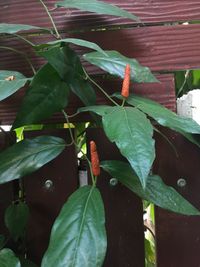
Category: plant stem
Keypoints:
(21, 53)
(52, 21)
(78, 148)
(100, 88)
(24, 39)
(123, 102)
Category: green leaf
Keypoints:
(10, 82)
(114, 63)
(28, 156)
(46, 95)
(8, 258)
(75, 41)
(78, 235)
(16, 217)
(66, 62)
(14, 28)
(100, 110)
(164, 116)
(132, 132)
(156, 191)
(98, 7)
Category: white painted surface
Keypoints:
(189, 105)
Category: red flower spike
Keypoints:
(94, 159)
(126, 82)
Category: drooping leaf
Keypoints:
(114, 63)
(78, 235)
(98, 7)
(66, 62)
(10, 82)
(164, 116)
(28, 156)
(156, 191)
(16, 217)
(8, 258)
(46, 95)
(75, 41)
(132, 133)
(100, 110)
(14, 28)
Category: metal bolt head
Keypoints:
(113, 181)
(181, 182)
(48, 184)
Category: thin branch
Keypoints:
(51, 18)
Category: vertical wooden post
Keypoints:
(124, 212)
(46, 191)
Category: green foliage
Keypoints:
(39, 102)
(14, 28)
(28, 156)
(156, 191)
(8, 259)
(16, 217)
(114, 63)
(99, 7)
(78, 232)
(78, 236)
(11, 82)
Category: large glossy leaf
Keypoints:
(156, 191)
(78, 235)
(14, 28)
(164, 116)
(8, 258)
(68, 65)
(132, 133)
(10, 82)
(27, 156)
(99, 7)
(16, 217)
(75, 41)
(114, 63)
(47, 94)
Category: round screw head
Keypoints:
(48, 184)
(113, 181)
(181, 182)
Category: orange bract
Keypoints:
(94, 159)
(126, 82)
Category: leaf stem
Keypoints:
(78, 148)
(24, 39)
(21, 53)
(123, 102)
(52, 21)
(100, 88)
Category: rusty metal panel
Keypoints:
(124, 212)
(156, 11)
(178, 236)
(46, 191)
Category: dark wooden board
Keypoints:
(6, 190)
(178, 236)
(156, 11)
(124, 212)
(162, 48)
(44, 203)
(162, 92)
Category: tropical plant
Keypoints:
(78, 236)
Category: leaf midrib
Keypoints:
(81, 226)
